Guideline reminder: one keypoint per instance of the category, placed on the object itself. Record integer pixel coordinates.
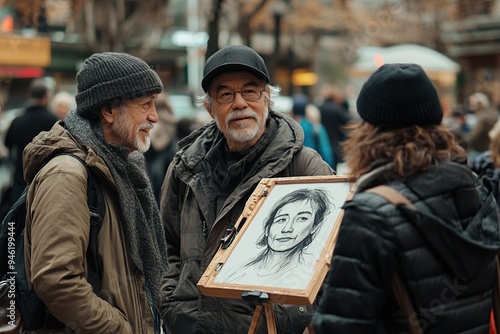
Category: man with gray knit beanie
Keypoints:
(109, 130)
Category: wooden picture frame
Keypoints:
(295, 221)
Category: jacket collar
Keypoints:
(282, 138)
(381, 173)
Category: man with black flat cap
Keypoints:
(211, 178)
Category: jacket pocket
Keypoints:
(186, 288)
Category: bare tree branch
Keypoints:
(154, 37)
(90, 33)
(109, 25)
(244, 22)
(213, 28)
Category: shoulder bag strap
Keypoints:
(398, 287)
(392, 195)
(496, 292)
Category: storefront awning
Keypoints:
(21, 72)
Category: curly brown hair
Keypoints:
(412, 149)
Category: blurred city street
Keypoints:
(185, 114)
(309, 46)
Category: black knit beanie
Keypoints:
(110, 77)
(399, 95)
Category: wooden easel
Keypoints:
(261, 299)
(270, 319)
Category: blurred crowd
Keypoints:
(330, 113)
(45, 105)
(323, 118)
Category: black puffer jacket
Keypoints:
(447, 264)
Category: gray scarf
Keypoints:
(139, 210)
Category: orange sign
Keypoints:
(304, 77)
(23, 51)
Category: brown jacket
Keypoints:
(56, 239)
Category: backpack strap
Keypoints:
(96, 204)
(95, 200)
(398, 287)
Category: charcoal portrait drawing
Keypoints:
(286, 252)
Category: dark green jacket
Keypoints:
(196, 211)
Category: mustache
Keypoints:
(146, 126)
(241, 114)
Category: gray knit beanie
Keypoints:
(110, 77)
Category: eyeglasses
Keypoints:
(227, 96)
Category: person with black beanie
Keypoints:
(440, 247)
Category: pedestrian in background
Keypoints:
(334, 117)
(315, 135)
(458, 124)
(487, 164)
(485, 116)
(62, 103)
(447, 263)
(163, 143)
(109, 130)
(214, 172)
(37, 117)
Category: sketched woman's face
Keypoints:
(291, 225)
